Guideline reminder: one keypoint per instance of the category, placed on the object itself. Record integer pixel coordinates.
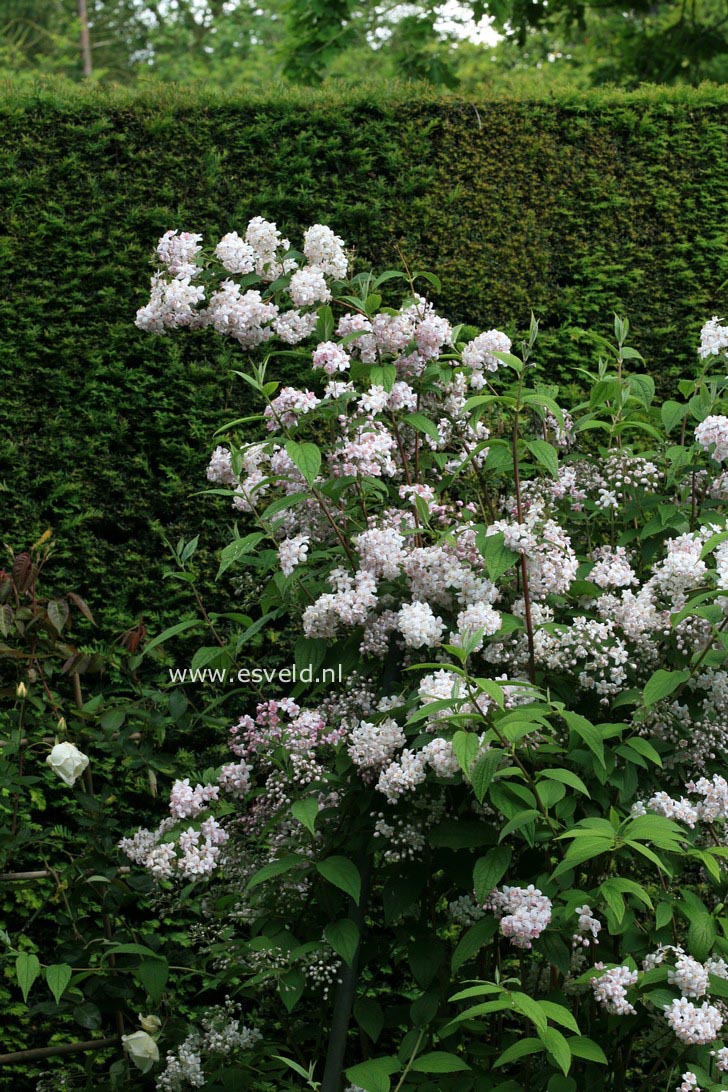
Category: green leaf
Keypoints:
(672, 414)
(369, 1016)
(271, 870)
(290, 987)
(373, 1076)
(472, 941)
(236, 550)
(292, 1065)
(545, 454)
(306, 811)
(465, 746)
(519, 1049)
(663, 683)
(180, 627)
(153, 975)
(343, 936)
(489, 871)
(325, 324)
(587, 731)
(482, 773)
(566, 777)
(438, 1061)
(583, 849)
(702, 933)
(645, 748)
(58, 975)
(560, 1015)
(531, 1009)
(423, 424)
(498, 558)
(558, 1048)
(582, 1047)
(343, 874)
(306, 457)
(641, 386)
(27, 969)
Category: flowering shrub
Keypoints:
(493, 855)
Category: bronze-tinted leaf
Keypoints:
(58, 612)
(24, 572)
(82, 606)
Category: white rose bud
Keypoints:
(67, 761)
(22, 690)
(150, 1023)
(142, 1050)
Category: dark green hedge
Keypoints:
(570, 208)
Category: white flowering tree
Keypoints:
(491, 855)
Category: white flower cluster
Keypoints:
(186, 802)
(692, 1024)
(588, 927)
(293, 552)
(478, 355)
(690, 977)
(610, 989)
(713, 338)
(712, 808)
(712, 435)
(373, 746)
(524, 913)
(221, 1034)
(410, 768)
(245, 315)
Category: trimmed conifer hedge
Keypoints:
(571, 208)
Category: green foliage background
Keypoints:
(572, 208)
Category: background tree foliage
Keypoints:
(471, 45)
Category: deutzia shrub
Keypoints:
(489, 854)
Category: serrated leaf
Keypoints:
(58, 975)
(306, 457)
(369, 1015)
(421, 423)
(472, 941)
(583, 1047)
(702, 933)
(27, 969)
(374, 1075)
(482, 773)
(663, 683)
(343, 874)
(545, 454)
(153, 975)
(566, 777)
(271, 870)
(465, 746)
(497, 556)
(306, 811)
(439, 1061)
(343, 936)
(558, 1047)
(238, 549)
(489, 870)
(672, 414)
(520, 1049)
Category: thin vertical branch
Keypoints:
(85, 40)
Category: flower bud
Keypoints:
(150, 1023)
(67, 761)
(142, 1050)
(21, 690)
